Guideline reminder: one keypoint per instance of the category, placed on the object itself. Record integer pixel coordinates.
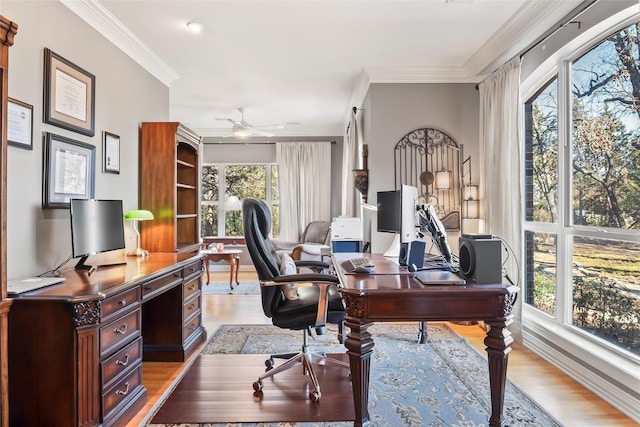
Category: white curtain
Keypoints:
(350, 161)
(304, 177)
(501, 189)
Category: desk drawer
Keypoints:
(192, 269)
(122, 392)
(120, 303)
(191, 287)
(190, 307)
(191, 325)
(118, 332)
(161, 284)
(120, 362)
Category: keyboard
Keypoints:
(353, 263)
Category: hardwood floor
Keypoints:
(565, 399)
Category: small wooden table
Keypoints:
(231, 256)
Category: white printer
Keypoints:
(346, 234)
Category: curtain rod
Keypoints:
(258, 143)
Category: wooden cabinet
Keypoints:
(170, 186)
(77, 348)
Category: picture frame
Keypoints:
(110, 152)
(69, 95)
(20, 124)
(69, 171)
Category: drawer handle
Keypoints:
(125, 363)
(148, 287)
(126, 390)
(191, 306)
(122, 303)
(177, 275)
(122, 330)
(192, 326)
(192, 287)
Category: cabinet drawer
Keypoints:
(191, 326)
(120, 362)
(161, 284)
(191, 287)
(118, 332)
(122, 392)
(120, 303)
(195, 268)
(190, 307)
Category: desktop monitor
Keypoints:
(96, 226)
(397, 212)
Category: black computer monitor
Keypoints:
(96, 226)
(397, 212)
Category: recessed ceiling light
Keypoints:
(196, 27)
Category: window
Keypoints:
(582, 176)
(220, 182)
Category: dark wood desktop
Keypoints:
(76, 348)
(392, 295)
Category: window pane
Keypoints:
(275, 221)
(209, 220)
(606, 129)
(209, 184)
(541, 171)
(274, 183)
(541, 271)
(606, 290)
(233, 224)
(246, 181)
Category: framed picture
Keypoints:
(69, 95)
(110, 152)
(69, 171)
(20, 124)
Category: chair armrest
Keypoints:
(322, 281)
(283, 245)
(316, 266)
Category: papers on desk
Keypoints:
(19, 286)
(438, 277)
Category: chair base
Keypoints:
(308, 359)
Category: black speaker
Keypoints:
(480, 258)
(412, 253)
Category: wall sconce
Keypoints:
(361, 176)
(470, 204)
(134, 216)
(470, 192)
(443, 177)
(470, 209)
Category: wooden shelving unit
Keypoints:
(170, 186)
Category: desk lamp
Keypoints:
(134, 216)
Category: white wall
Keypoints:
(38, 239)
(391, 110)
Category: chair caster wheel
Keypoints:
(269, 363)
(315, 396)
(257, 386)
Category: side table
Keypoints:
(231, 256)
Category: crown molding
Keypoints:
(103, 21)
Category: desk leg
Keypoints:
(498, 342)
(231, 260)
(359, 345)
(237, 262)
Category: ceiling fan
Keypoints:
(243, 129)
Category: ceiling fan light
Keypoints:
(196, 27)
(241, 132)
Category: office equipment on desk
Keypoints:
(412, 254)
(352, 264)
(346, 234)
(438, 277)
(29, 284)
(480, 258)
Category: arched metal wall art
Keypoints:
(431, 161)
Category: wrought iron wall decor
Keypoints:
(429, 159)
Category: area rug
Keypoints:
(442, 383)
(222, 288)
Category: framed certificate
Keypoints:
(20, 124)
(110, 152)
(69, 95)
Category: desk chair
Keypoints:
(315, 306)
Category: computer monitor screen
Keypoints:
(397, 212)
(430, 223)
(96, 226)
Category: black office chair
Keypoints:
(316, 306)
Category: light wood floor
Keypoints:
(562, 397)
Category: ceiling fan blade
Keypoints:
(258, 132)
(269, 127)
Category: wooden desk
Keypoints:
(398, 297)
(76, 348)
(231, 256)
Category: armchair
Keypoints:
(313, 307)
(314, 242)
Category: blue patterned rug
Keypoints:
(442, 383)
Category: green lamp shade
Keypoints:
(139, 215)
